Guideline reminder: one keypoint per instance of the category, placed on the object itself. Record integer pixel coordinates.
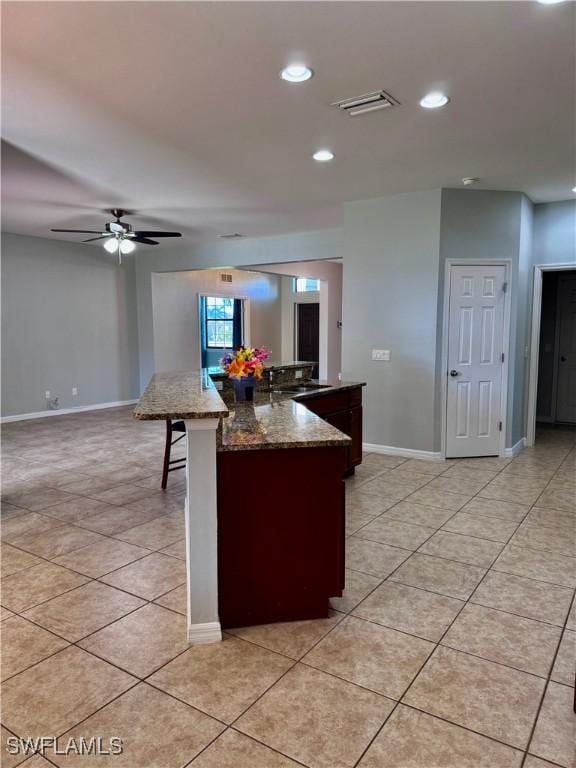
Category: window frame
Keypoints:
(217, 321)
(296, 290)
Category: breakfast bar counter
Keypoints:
(265, 514)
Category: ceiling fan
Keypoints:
(119, 236)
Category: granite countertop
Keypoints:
(181, 395)
(284, 424)
(282, 421)
(286, 392)
(218, 373)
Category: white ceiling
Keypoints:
(175, 110)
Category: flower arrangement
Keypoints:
(246, 361)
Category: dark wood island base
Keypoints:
(281, 518)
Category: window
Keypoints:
(306, 284)
(219, 322)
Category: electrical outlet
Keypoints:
(47, 394)
(74, 391)
(381, 354)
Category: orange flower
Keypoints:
(237, 369)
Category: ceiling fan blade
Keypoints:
(91, 239)
(80, 231)
(144, 240)
(147, 233)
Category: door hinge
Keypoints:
(499, 426)
(502, 357)
(504, 287)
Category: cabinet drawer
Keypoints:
(327, 403)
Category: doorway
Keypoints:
(552, 378)
(308, 334)
(556, 382)
(476, 319)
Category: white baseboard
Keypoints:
(516, 449)
(409, 453)
(64, 411)
(200, 634)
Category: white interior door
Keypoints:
(566, 391)
(475, 360)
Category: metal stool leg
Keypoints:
(167, 447)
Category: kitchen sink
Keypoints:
(300, 388)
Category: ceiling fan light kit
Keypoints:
(119, 236)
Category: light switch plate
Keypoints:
(381, 354)
(298, 374)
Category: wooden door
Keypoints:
(308, 322)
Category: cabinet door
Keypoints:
(340, 420)
(355, 449)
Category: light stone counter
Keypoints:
(181, 395)
(285, 424)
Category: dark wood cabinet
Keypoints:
(344, 411)
(281, 547)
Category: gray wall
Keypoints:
(483, 225)
(555, 233)
(68, 320)
(394, 267)
(390, 297)
(69, 316)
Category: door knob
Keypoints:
(453, 373)
(562, 359)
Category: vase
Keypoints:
(244, 389)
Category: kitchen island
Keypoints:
(264, 517)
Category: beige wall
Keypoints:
(289, 301)
(175, 304)
(330, 297)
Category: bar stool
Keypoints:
(171, 427)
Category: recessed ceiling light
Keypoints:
(469, 181)
(574, 190)
(550, 2)
(296, 73)
(434, 100)
(323, 156)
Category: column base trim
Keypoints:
(200, 634)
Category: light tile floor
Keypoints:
(453, 646)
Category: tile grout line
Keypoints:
(438, 643)
(349, 612)
(546, 685)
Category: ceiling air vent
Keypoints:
(369, 102)
(231, 236)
